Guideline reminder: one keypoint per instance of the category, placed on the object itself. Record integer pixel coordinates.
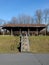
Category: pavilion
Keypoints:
(30, 29)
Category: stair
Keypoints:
(25, 44)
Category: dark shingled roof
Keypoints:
(24, 25)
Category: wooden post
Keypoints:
(37, 31)
(11, 32)
(45, 31)
(20, 31)
(3, 32)
(28, 31)
(6, 31)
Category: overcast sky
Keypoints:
(10, 8)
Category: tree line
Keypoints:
(40, 17)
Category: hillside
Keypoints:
(10, 44)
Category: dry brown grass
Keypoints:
(39, 44)
(8, 44)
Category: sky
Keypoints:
(14, 8)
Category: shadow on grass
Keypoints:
(19, 47)
(15, 47)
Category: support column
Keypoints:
(3, 32)
(11, 32)
(6, 32)
(37, 31)
(45, 31)
(20, 31)
(28, 32)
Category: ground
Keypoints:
(10, 44)
(24, 59)
(39, 44)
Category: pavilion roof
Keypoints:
(24, 25)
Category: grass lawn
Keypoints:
(39, 44)
(8, 44)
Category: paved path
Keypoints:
(24, 59)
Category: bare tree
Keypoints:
(32, 20)
(20, 19)
(14, 20)
(46, 16)
(24, 19)
(29, 20)
(2, 22)
(38, 16)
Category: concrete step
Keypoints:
(25, 44)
